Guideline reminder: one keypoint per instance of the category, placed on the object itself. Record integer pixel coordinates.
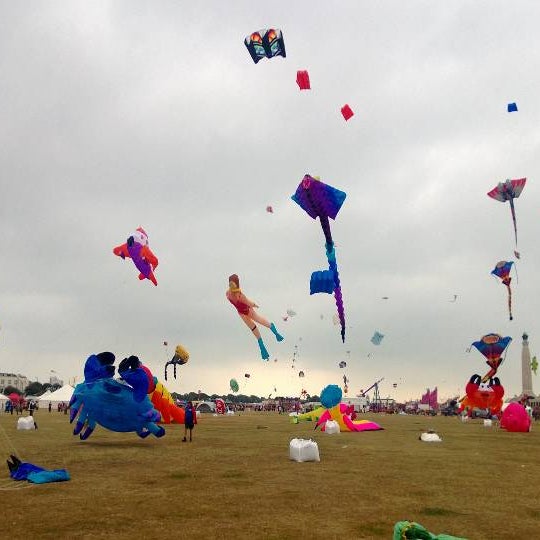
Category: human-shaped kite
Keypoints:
(246, 310)
(138, 250)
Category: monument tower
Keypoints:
(526, 374)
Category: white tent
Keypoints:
(45, 396)
(62, 395)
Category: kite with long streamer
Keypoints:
(322, 201)
(508, 191)
(502, 271)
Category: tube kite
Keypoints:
(136, 248)
(508, 191)
(323, 201)
(502, 271)
(181, 356)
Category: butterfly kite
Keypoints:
(508, 191)
(502, 271)
(322, 201)
(492, 346)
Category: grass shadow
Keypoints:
(436, 511)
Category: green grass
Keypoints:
(235, 481)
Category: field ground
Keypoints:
(235, 481)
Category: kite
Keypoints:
(516, 419)
(395, 385)
(19, 470)
(265, 43)
(323, 201)
(347, 112)
(376, 338)
(181, 356)
(246, 310)
(234, 385)
(343, 364)
(512, 107)
(534, 364)
(138, 250)
(384, 298)
(502, 271)
(117, 406)
(482, 394)
(291, 312)
(455, 298)
(269, 209)
(247, 375)
(517, 255)
(508, 191)
(492, 346)
(302, 80)
(301, 374)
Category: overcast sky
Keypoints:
(121, 114)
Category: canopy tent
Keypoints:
(62, 395)
(45, 396)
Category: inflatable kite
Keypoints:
(220, 406)
(502, 271)
(333, 409)
(233, 383)
(323, 201)
(483, 395)
(181, 356)
(516, 419)
(117, 406)
(492, 346)
(137, 249)
(162, 400)
(19, 470)
(265, 44)
(508, 191)
(404, 530)
(246, 310)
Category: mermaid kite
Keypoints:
(246, 310)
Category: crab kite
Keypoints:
(138, 250)
(508, 191)
(502, 271)
(265, 43)
(492, 346)
(323, 201)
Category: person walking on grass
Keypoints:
(190, 419)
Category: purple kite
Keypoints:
(502, 271)
(508, 191)
(323, 201)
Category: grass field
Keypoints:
(235, 481)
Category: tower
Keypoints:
(526, 375)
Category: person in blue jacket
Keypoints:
(190, 419)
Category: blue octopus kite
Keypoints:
(116, 405)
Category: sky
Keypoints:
(120, 114)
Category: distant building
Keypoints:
(11, 379)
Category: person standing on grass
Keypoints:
(190, 419)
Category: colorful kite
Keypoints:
(302, 80)
(376, 338)
(246, 310)
(181, 356)
(138, 250)
(502, 271)
(323, 201)
(233, 383)
(482, 394)
(265, 44)
(508, 191)
(492, 346)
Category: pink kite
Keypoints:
(302, 80)
(347, 112)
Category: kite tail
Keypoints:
(332, 263)
(510, 302)
(512, 209)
